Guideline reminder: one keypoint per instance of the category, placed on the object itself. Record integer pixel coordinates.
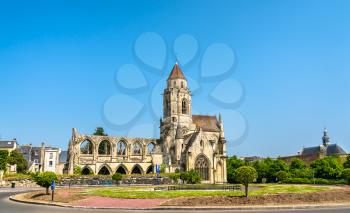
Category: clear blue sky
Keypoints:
(58, 64)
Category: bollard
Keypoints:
(13, 185)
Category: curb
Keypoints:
(293, 207)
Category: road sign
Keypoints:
(157, 169)
(53, 185)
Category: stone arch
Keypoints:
(105, 170)
(87, 171)
(122, 169)
(136, 148)
(150, 169)
(184, 106)
(86, 147)
(104, 148)
(151, 147)
(202, 166)
(122, 147)
(137, 169)
(219, 174)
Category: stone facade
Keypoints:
(186, 142)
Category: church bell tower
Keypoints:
(177, 106)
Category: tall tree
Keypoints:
(246, 175)
(17, 158)
(100, 131)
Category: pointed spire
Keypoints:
(176, 72)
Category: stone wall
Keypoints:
(107, 180)
(20, 182)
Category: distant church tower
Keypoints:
(177, 115)
(177, 106)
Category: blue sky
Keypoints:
(59, 65)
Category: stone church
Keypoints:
(186, 142)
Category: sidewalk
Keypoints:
(155, 204)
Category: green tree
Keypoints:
(3, 159)
(117, 177)
(327, 168)
(44, 179)
(282, 175)
(297, 164)
(347, 162)
(346, 175)
(17, 158)
(100, 131)
(233, 163)
(298, 169)
(246, 175)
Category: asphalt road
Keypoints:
(7, 206)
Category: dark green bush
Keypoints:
(44, 179)
(191, 177)
(117, 177)
(174, 177)
(3, 159)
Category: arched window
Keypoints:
(182, 84)
(122, 170)
(136, 170)
(202, 167)
(149, 170)
(184, 106)
(104, 148)
(104, 171)
(86, 147)
(137, 149)
(150, 148)
(86, 171)
(121, 148)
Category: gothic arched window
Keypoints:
(104, 148)
(184, 106)
(121, 148)
(86, 147)
(150, 148)
(137, 149)
(202, 167)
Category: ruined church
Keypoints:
(186, 142)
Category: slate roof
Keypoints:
(206, 122)
(331, 149)
(7, 144)
(176, 73)
(25, 149)
(63, 157)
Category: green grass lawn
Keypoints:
(146, 192)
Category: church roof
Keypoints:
(332, 149)
(176, 73)
(206, 122)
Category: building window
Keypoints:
(137, 149)
(36, 160)
(182, 84)
(86, 148)
(104, 148)
(50, 163)
(202, 167)
(167, 107)
(51, 155)
(36, 153)
(184, 106)
(121, 148)
(150, 148)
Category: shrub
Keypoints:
(347, 162)
(162, 168)
(117, 177)
(246, 175)
(346, 175)
(297, 181)
(44, 179)
(175, 177)
(191, 177)
(77, 170)
(327, 168)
